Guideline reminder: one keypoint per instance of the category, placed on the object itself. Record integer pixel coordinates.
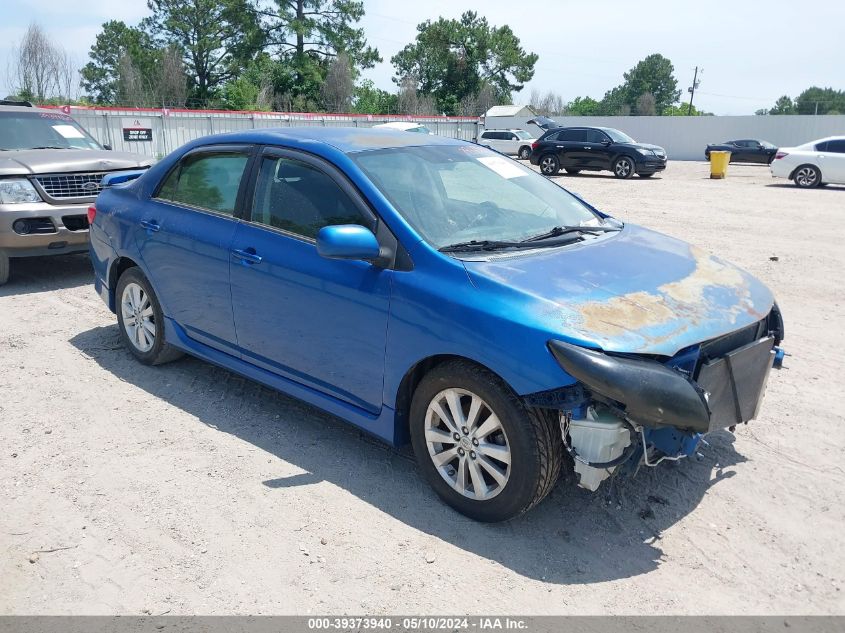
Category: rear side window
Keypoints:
(489, 135)
(299, 198)
(837, 147)
(821, 147)
(206, 181)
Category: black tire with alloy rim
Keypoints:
(524, 153)
(483, 451)
(4, 268)
(141, 321)
(574, 172)
(807, 176)
(549, 165)
(623, 167)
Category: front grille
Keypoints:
(75, 222)
(67, 186)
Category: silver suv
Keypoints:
(50, 172)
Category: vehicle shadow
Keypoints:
(43, 274)
(601, 176)
(790, 185)
(573, 537)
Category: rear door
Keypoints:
(319, 322)
(569, 144)
(184, 236)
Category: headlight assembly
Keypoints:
(17, 191)
(645, 151)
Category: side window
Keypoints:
(207, 181)
(488, 135)
(513, 137)
(822, 147)
(594, 136)
(837, 147)
(296, 197)
(567, 135)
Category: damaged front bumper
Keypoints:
(628, 409)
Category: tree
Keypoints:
(646, 105)
(583, 106)
(547, 104)
(684, 110)
(217, 38)
(454, 59)
(338, 87)
(411, 101)
(116, 46)
(307, 35)
(817, 100)
(371, 100)
(652, 75)
(761, 112)
(40, 69)
(783, 105)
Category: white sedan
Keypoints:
(812, 164)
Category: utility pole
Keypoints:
(692, 88)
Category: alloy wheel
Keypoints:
(138, 317)
(547, 165)
(623, 168)
(467, 444)
(806, 177)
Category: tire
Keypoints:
(646, 175)
(139, 312)
(528, 438)
(574, 172)
(623, 167)
(807, 176)
(524, 153)
(549, 165)
(4, 268)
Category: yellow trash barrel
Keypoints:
(719, 163)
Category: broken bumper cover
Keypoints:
(727, 390)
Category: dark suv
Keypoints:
(596, 148)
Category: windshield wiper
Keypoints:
(493, 245)
(558, 231)
(48, 147)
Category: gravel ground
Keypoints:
(187, 489)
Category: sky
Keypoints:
(752, 52)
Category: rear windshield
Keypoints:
(42, 130)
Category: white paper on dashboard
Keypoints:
(505, 167)
(68, 131)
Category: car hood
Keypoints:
(52, 161)
(636, 291)
(643, 146)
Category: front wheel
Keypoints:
(524, 153)
(141, 320)
(549, 165)
(623, 167)
(807, 176)
(483, 451)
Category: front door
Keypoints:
(317, 321)
(184, 238)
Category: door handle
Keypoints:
(247, 256)
(587, 147)
(151, 226)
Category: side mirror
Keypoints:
(606, 141)
(107, 147)
(347, 241)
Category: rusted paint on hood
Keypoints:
(637, 291)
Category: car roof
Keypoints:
(503, 129)
(345, 139)
(28, 109)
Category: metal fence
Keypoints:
(683, 137)
(127, 129)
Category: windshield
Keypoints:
(616, 136)
(421, 129)
(452, 194)
(35, 130)
(522, 135)
(767, 145)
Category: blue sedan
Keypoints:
(430, 290)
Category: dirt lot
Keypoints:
(186, 489)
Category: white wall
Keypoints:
(684, 138)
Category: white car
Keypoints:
(812, 164)
(514, 142)
(406, 126)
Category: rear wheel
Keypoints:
(549, 165)
(807, 176)
(524, 153)
(623, 167)
(141, 320)
(4, 268)
(482, 450)
(573, 171)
